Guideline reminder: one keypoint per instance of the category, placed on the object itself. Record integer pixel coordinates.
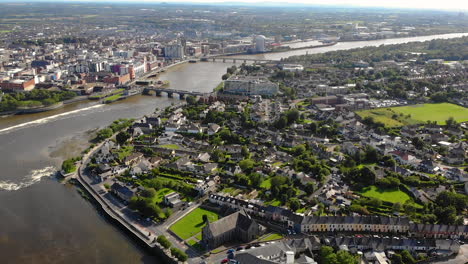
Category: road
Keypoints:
(149, 230)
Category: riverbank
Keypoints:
(32, 110)
(144, 231)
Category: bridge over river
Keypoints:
(170, 92)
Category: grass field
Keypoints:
(159, 197)
(192, 223)
(415, 114)
(387, 195)
(266, 184)
(270, 237)
(170, 146)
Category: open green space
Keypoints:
(124, 152)
(271, 237)
(232, 191)
(386, 195)
(113, 98)
(170, 146)
(159, 197)
(266, 184)
(192, 223)
(416, 114)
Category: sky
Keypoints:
(418, 4)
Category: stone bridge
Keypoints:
(170, 92)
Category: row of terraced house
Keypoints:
(311, 224)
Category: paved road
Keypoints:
(149, 228)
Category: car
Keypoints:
(233, 261)
(248, 246)
(239, 248)
(230, 251)
(225, 260)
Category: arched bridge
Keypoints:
(170, 92)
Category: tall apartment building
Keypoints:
(174, 51)
(250, 85)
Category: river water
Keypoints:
(44, 221)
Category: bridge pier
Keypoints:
(234, 60)
(169, 94)
(224, 60)
(181, 96)
(158, 93)
(245, 61)
(214, 59)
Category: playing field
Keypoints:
(387, 195)
(416, 114)
(192, 223)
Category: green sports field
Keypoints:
(416, 114)
(387, 195)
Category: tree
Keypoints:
(282, 122)
(68, 165)
(371, 154)
(245, 152)
(450, 122)
(344, 257)
(191, 100)
(375, 202)
(397, 207)
(447, 199)
(255, 179)
(164, 241)
(148, 192)
(247, 164)
(122, 137)
(407, 258)
(309, 188)
(446, 215)
(205, 218)
(418, 143)
(325, 252)
(180, 255)
(104, 134)
(294, 204)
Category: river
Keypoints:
(44, 221)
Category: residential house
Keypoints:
(122, 191)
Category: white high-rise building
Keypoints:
(259, 41)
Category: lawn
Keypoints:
(232, 191)
(192, 223)
(113, 98)
(271, 237)
(387, 195)
(124, 152)
(266, 184)
(170, 146)
(416, 114)
(435, 112)
(158, 198)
